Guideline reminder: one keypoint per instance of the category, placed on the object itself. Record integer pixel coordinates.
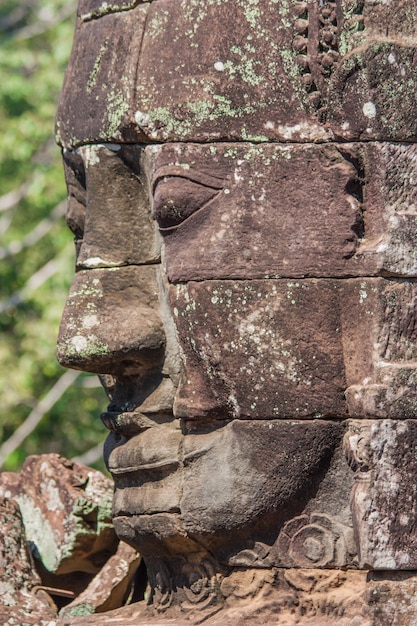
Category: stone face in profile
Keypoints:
(241, 181)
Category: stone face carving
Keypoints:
(241, 181)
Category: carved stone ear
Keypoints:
(119, 229)
(383, 497)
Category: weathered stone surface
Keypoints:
(110, 587)
(91, 340)
(370, 95)
(279, 339)
(300, 339)
(286, 283)
(121, 191)
(274, 73)
(66, 510)
(250, 480)
(97, 99)
(391, 597)
(92, 9)
(231, 211)
(188, 495)
(147, 471)
(380, 316)
(238, 72)
(383, 456)
(308, 597)
(19, 602)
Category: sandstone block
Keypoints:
(21, 601)
(66, 511)
(97, 99)
(279, 339)
(108, 200)
(233, 211)
(300, 339)
(91, 341)
(383, 456)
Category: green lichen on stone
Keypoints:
(252, 12)
(255, 138)
(348, 37)
(117, 108)
(198, 112)
(94, 72)
(85, 291)
(39, 532)
(244, 67)
(106, 8)
(94, 348)
(80, 610)
(267, 83)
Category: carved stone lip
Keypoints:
(155, 448)
(131, 423)
(127, 423)
(164, 464)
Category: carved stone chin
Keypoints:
(242, 190)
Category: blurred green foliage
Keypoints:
(36, 249)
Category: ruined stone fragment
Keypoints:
(109, 588)
(21, 599)
(66, 511)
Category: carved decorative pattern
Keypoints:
(160, 581)
(201, 585)
(315, 541)
(400, 188)
(321, 32)
(192, 585)
(247, 584)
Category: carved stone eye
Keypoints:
(176, 198)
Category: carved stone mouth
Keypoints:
(156, 448)
(131, 423)
(165, 464)
(128, 423)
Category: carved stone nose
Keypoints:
(111, 323)
(119, 229)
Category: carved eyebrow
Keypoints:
(168, 171)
